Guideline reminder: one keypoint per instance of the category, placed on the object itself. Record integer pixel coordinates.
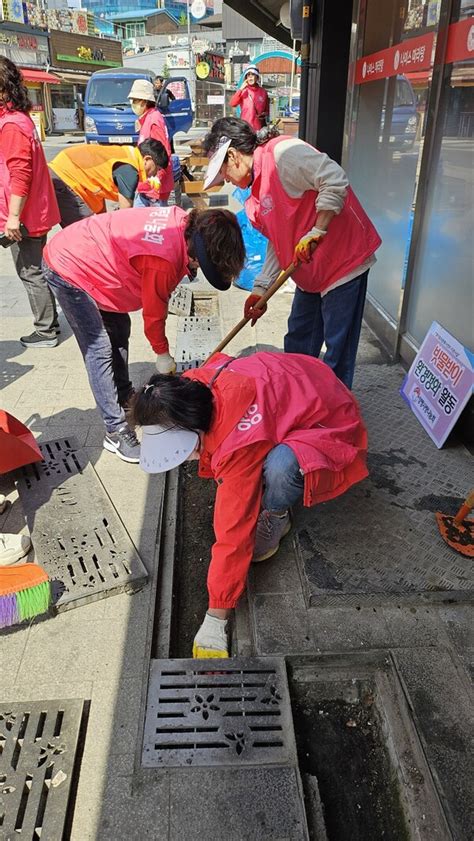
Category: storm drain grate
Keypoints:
(38, 743)
(196, 339)
(218, 712)
(77, 534)
(181, 301)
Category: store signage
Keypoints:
(24, 42)
(215, 99)
(439, 383)
(210, 66)
(460, 41)
(198, 9)
(78, 60)
(410, 55)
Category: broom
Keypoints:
(25, 592)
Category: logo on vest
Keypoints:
(266, 205)
(251, 418)
(152, 227)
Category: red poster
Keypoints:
(414, 54)
(460, 41)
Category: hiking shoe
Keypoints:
(124, 443)
(35, 340)
(13, 547)
(271, 529)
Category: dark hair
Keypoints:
(240, 133)
(159, 78)
(173, 401)
(222, 237)
(12, 83)
(155, 150)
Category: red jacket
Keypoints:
(261, 401)
(254, 105)
(153, 125)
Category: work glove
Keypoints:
(211, 639)
(307, 244)
(165, 364)
(249, 308)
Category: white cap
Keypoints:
(252, 69)
(164, 447)
(213, 174)
(142, 89)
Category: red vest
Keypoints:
(351, 237)
(152, 119)
(254, 105)
(94, 254)
(287, 399)
(41, 211)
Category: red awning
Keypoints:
(40, 76)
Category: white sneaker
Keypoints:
(13, 547)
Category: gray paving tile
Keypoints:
(348, 629)
(417, 626)
(281, 624)
(127, 813)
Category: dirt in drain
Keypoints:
(342, 746)
(205, 305)
(196, 536)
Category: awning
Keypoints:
(39, 76)
(74, 78)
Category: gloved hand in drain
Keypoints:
(249, 308)
(307, 244)
(211, 640)
(165, 364)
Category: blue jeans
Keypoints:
(85, 320)
(334, 318)
(142, 200)
(282, 479)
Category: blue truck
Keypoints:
(108, 117)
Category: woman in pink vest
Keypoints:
(270, 429)
(151, 124)
(252, 99)
(28, 206)
(126, 261)
(301, 200)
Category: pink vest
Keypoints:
(299, 402)
(351, 237)
(41, 211)
(153, 118)
(254, 106)
(94, 254)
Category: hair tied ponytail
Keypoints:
(267, 133)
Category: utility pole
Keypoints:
(192, 81)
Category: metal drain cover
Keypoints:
(218, 712)
(77, 534)
(196, 339)
(38, 743)
(181, 301)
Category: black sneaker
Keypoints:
(35, 340)
(124, 443)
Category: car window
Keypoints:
(403, 93)
(178, 89)
(108, 93)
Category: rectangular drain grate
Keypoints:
(38, 743)
(218, 712)
(196, 339)
(181, 301)
(78, 536)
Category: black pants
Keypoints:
(117, 324)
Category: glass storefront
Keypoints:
(392, 73)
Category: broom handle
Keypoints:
(281, 279)
(464, 509)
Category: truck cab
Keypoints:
(108, 117)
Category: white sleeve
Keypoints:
(270, 271)
(301, 167)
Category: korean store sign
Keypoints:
(410, 55)
(439, 382)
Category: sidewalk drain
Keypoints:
(77, 534)
(196, 339)
(38, 744)
(181, 301)
(218, 712)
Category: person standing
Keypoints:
(252, 99)
(26, 198)
(126, 261)
(163, 95)
(301, 201)
(151, 125)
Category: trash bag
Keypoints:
(255, 248)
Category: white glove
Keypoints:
(165, 364)
(211, 639)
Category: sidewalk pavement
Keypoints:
(101, 651)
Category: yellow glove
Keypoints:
(307, 244)
(154, 182)
(211, 639)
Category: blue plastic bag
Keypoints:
(255, 248)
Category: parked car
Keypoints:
(108, 117)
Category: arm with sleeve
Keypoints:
(235, 520)
(159, 280)
(236, 99)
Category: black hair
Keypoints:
(159, 78)
(174, 401)
(240, 133)
(155, 150)
(222, 239)
(13, 84)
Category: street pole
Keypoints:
(192, 84)
(292, 78)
